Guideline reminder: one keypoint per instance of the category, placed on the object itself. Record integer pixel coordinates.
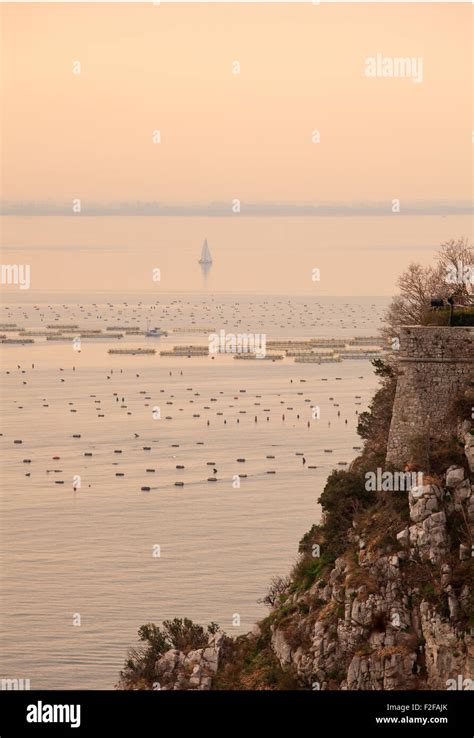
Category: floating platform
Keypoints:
(315, 359)
(367, 341)
(185, 352)
(256, 357)
(132, 352)
(126, 329)
(64, 326)
(361, 354)
(18, 341)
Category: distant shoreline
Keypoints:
(224, 210)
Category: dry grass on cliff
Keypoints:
(250, 664)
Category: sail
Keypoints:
(206, 257)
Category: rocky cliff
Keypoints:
(380, 598)
(393, 616)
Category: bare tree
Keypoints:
(455, 264)
(278, 587)
(452, 275)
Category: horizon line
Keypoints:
(224, 209)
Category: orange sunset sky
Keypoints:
(169, 67)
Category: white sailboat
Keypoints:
(206, 257)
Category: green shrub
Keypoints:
(343, 496)
(182, 634)
(307, 570)
(444, 453)
(462, 316)
(374, 425)
(429, 592)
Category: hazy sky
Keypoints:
(223, 135)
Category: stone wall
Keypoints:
(435, 363)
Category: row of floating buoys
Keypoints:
(144, 393)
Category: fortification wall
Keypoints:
(435, 364)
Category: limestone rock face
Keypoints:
(423, 501)
(429, 538)
(454, 476)
(380, 672)
(467, 434)
(194, 670)
(401, 632)
(445, 650)
(281, 648)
